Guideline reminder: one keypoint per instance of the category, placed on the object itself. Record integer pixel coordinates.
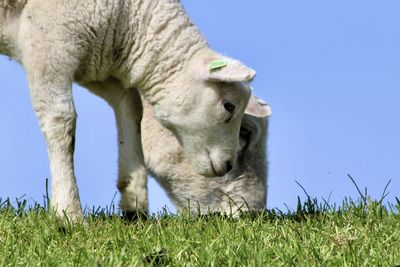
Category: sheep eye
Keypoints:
(228, 106)
(244, 131)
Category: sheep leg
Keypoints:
(132, 176)
(52, 101)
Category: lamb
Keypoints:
(111, 47)
(243, 189)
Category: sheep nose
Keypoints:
(228, 166)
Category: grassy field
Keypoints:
(362, 233)
(356, 233)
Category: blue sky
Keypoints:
(329, 69)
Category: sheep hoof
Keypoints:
(135, 215)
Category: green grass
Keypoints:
(356, 233)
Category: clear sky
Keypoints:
(329, 69)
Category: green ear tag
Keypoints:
(217, 64)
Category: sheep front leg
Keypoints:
(132, 176)
(52, 101)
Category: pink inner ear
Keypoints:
(258, 107)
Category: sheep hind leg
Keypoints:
(132, 175)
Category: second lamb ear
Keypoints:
(258, 107)
(225, 69)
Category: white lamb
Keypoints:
(244, 188)
(109, 47)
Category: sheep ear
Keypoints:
(226, 70)
(258, 107)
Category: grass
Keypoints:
(356, 233)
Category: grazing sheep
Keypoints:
(243, 188)
(110, 47)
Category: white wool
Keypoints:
(110, 47)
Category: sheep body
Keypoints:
(111, 47)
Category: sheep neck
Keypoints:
(162, 41)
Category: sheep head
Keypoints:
(204, 106)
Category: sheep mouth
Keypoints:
(211, 164)
(214, 171)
